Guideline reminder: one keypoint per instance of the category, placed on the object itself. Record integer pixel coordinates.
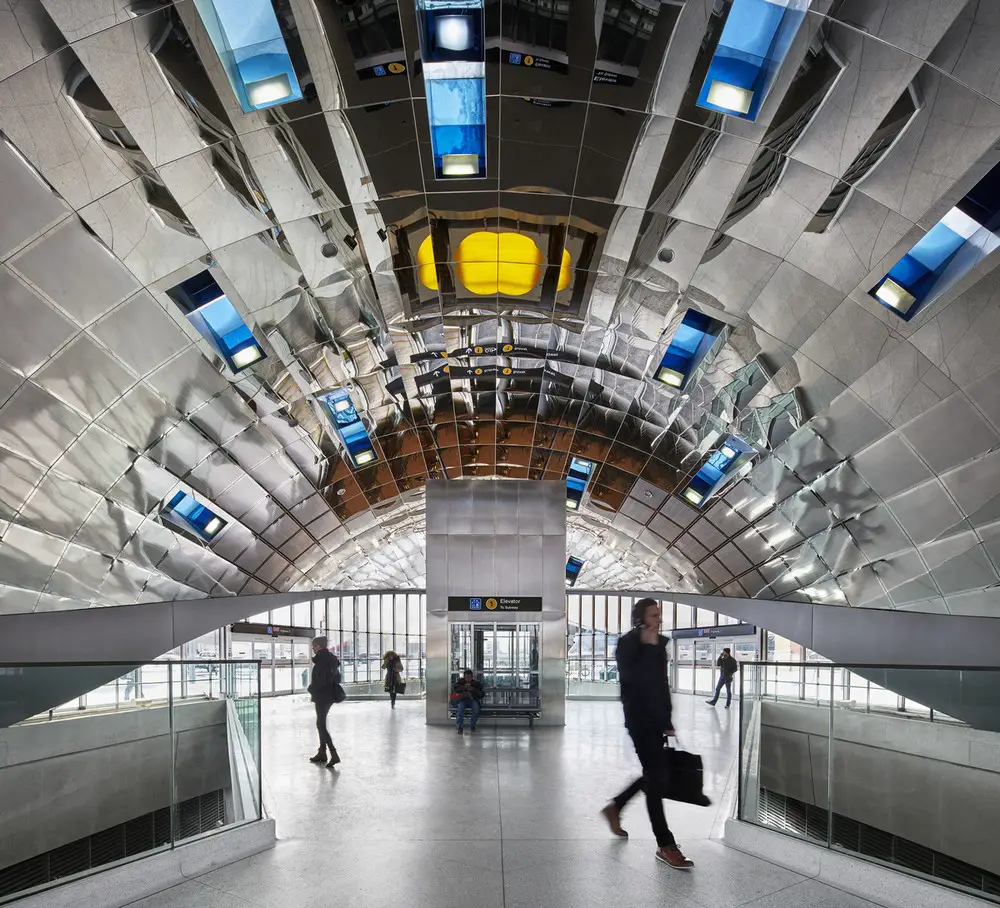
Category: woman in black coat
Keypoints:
(323, 690)
(393, 667)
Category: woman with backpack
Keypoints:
(394, 683)
(325, 690)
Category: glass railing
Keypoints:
(917, 790)
(84, 790)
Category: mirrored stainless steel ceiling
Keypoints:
(127, 166)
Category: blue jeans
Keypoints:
(727, 683)
(473, 706)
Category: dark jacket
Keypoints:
(728, 666)
(393, 674)
(642, 672)
(325, 676)
(473, 690)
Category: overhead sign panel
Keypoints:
(271, 630)
(494, 604)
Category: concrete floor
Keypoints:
(504, 818)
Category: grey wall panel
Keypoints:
(65, 780)
(503, 538)
(937, 785)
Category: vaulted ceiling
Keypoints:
(127, 166)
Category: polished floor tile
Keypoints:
(502, 818)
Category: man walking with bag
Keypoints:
(642, 671)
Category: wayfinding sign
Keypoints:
(494, 603)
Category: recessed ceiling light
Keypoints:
(665, 255)
(730, 97)
(692, 496)
(670, 377)
(460, 165)
(341, 405)
(895, 296)
(213, 526)
(454, 33)
(727, 452)
(267, 91)
(572, 505)
(364, 457)
(246, 356)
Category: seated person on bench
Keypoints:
(467, 695)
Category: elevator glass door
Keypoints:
(505, 657)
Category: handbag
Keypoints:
(339, 694)
(400, 685)
(679, 776)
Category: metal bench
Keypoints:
(507, 704)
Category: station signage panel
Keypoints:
(487, 604)
(395, 68)
(726, 630)
(272, 630)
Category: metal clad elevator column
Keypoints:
(486, 540)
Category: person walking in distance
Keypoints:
(645, 692)
(393, 666)
(323, 690)
(728, 667)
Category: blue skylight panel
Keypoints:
(754, 42)
(452, 46)
(202, 300)
(577, 480)
(691, 342)
(723, 461)
(184, 510)
(248, 40)
(350, 428)
(946, 253)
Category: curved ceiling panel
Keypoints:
(760, 299)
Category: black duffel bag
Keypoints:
(679, 776)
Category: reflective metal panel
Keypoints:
(523, 555)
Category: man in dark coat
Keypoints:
(323, 690)
(645, 691)
(728, 667)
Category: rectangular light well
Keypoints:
(895, 296)
(460, 165)
(246, 356)
(692, 496)
(730, 97)
(268, 91)
(670, 377)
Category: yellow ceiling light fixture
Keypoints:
(507, 263)
(487, 262)
(564, 274)
(425, 264)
